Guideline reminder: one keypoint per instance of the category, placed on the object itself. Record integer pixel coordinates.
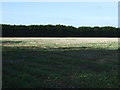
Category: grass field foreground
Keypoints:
(60, 63)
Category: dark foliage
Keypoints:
(58, 31)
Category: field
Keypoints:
(60, 63)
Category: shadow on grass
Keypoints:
(67, 63)
(70, 48)
(75, 55)
(10, 42)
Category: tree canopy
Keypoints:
(58, 31)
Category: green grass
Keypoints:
(57, 64)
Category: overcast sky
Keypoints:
(65, 13)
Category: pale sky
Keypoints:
(65, 13)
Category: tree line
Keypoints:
(58, 31)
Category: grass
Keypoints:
(60, 63)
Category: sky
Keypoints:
(64, 13)
(119, 14)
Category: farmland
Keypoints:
(60, 62)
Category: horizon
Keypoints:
(55, 25)
(76, 14)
